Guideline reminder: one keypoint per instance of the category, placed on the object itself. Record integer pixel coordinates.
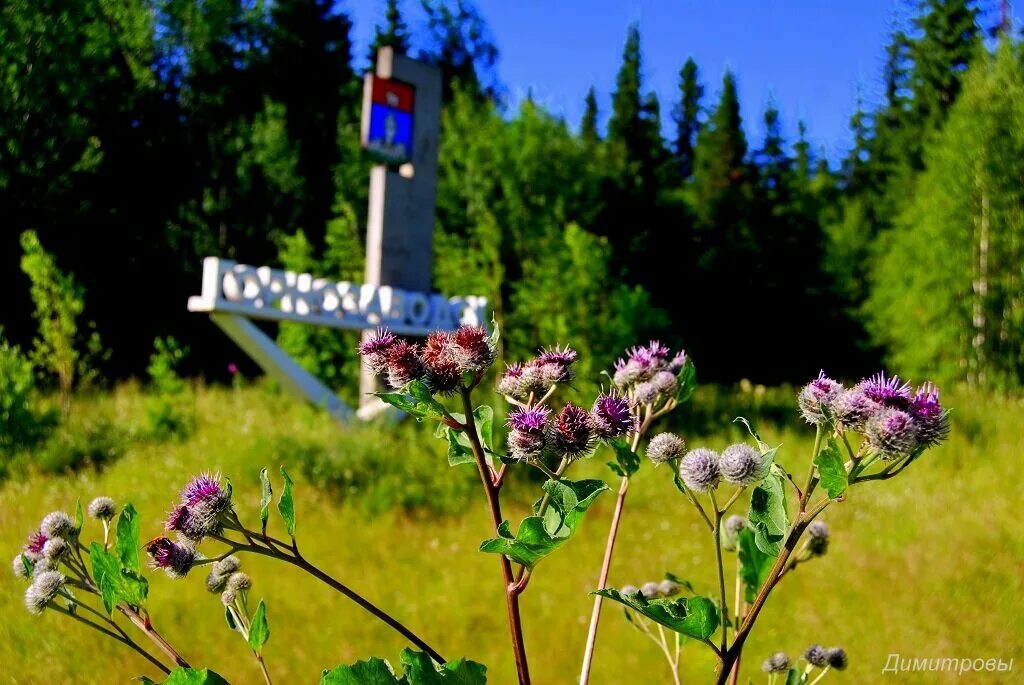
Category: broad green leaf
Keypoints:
(79, 518)
(539, 536)
(116, 583)
(189, 676)
(374, 671)
(286, 504)
(421, 670)
(128, 543)
(755, 565)
(259, 630)
(484, 416)
(416, 400)
(793, 677)
(687, 381)
(767, 515)
(832, 469)
(266, 497)
(695, 617)
(627, 462)
(460, 449)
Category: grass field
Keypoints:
(930, 564)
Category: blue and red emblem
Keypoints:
(389, 131)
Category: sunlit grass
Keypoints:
(926, 565)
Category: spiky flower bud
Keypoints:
(741, 464)
(510, 382)
(472, 349)
(629, 590)
(666, 383)
(102, 508)
(220, 571)
(665, 447)
(650, 590)
(892, 433)
(443, 374)
(817, 394)
(204, 506)
(43, 589)
(404, 364)
(374, 349)
(699, 469)
(55, 549)
(816, 655)
(175, 559)
(42, 565)
(57, 524)
(646, 392)
(34, 547)
(668, 588)
(853, 407)
(613, 416)
(817, 538)
(627, 372)
(931, 419)
(238, 582)
(731, 532)
(227, 598)
(18, 565)
(889, 392)
(528, 434)
(837, 658)
(776, 663)
(573, 434)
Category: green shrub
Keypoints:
(75, 446)
(169, 409)
(22, 425)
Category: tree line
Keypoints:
(140, 136)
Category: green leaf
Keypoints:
(421, 670)
(190, 676)
(696, 617)
(832, 469)
(761, 444)
(793, 677)
(755, 565)
(128, 543)
(484, 416)
(116, 583)
(286, 504)
(627, 462)
(539, 536)
(767, 515)
(415, 399)
(687, 379)
(460, 449)
(259, 631)
(495, 333)
(79, 518)
(266, 497)
(374, 671)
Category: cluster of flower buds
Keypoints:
(702, 469)
(649, 374)
(203, 509)
(534, 378)
(226, 579)
(820, 657)
(895, 419)
(573, 432)
(440, 362)
(41, 556)
(653, 589)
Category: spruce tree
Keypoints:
(949, 38)
(588, 125)
(625, 125)
(394, 33)
(687, 116)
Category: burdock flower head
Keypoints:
(472, 349)
(743, 465)
(699, 470)
(374, 349)
(853, 407)
(551, 367)
(102, 508)
(731, 532)
(528, 434)
(404, 364)
(931, 419)
(237, 582)
(816, 655)
(220, 572)
(45, 586)
(892, 433)
(443, 374)
(57, 524)
(837, 658)
(629, 590)
(889, 392)
(613, 415)
(776, 663)
(55, 549)
(817, 538)
(202, 510)
(817, 394)
(665, 447)
(646, 392)
(573, 433)
(34, 547)
(175, 559)
(19, 567)
(650, 590)
(510, 382)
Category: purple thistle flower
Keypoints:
(556, 355)
(646, 392)
(816, 656)
(613, 415)
(472, 349)
(932, 420)
(404, 364)
(852, 408)
(821, 391)
(375, 349)
(678, 362)
(528, 420)
(204, 487)
(175, 559)
(573, 432)
(657, 351)
(510, 382)
(35, 544)
(892, 433)
(889, 392)
(442, 373)
(527, 438)
(627, 372)
(204, 504)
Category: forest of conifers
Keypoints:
(139, 136)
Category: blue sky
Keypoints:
(809, 54)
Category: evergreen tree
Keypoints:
(394, 34)
(949, 38)
(626, 125)
(588, 125)
(687, 116)
(459, 41)
(720, 171)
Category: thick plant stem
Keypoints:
(147, 628)
(717, 534)
(606, 565)
(123, 639)
(512, 588)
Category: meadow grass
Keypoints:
(925, 565)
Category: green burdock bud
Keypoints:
(43, 589)
(237, 582)
(699, 470)
(817, 655)
(743, 465)
(776, 663)
(650, 590)
(102, 508)
(55, 548)
(18, 566)
(629, 590)
(817, 538)
(731, 532)
(57, 524)
(837, 658)
(668, 588)
(665, 447)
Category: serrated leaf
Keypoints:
(627, 462)
(687, 379)
(373, 671)
(116, 583)
(421, 670)
(755, 565)
(416, 400)
(696, 617)
(128, 543)
(286, 503)
(832, 469)
(190, 676)
(259, 630)
(539, 536)
(767, 515)
(266, 497)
